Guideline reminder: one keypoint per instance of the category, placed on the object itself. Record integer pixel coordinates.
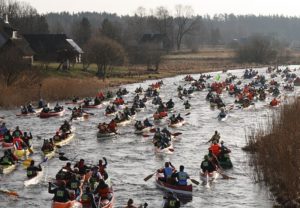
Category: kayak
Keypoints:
(51, 114)
(183, 190)
(92, 106)
(225, 162)
(69, 204)
(74, 103)
(81, 118)
(143, 130)
(167, 150)
(22, 153)
(6, 169)
(35, 180)
(210, 177)
(223, 119)
(177, 124)
(104, 135)
(105, 203)
(66, 140)
(49, 155)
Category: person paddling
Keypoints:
(207, 165)
(32, 170)
(168, 171)
(9, 158)
(102, 168)
(60, 193)
(130, 204)
(181, 176)
(88, 199)
(171, 201)
(216, 137)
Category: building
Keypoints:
(10, 38)
(54, 48)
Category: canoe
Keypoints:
(181, 190)
(105, 203)
(6, 146)
(52, 114)
(141, 131)
(74, 103)
(81, 118)
(92, 106)
(167, 150)
(210, 178)
(123, 123)
(69, 204)
(35, 180)
(177, 124)
(105, 135)
(6, 169)
(66, 140)
(21, 154)
(27, 114)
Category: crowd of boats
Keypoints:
(89, 185)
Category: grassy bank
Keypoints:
(275, 149)
(58, 85)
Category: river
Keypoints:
(131, 157)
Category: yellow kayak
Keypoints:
(22, 153)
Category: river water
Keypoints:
(131, 157)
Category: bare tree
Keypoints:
(185, 23)
(104, 52)
(14, 69)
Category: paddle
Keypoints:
(11, 193)
(92, 114)
(63, 158)
(149, 176)
(146, 135)
(176, 134)
(194, 181)
(188, 113)
(29, 149)
(224, 175)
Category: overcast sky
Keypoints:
(265, 7)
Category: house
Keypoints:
(158, 41)
(54, 48)
(9, 38)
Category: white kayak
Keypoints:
(35, 180)
(177, 124)
(66, 140)
(141, 131)
(167, 150)
(210, 177)
(105, 135)
(49, 155)
(6, 169)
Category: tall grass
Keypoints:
(276, 158)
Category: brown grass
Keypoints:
(277, 152)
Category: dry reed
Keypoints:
(276, 155)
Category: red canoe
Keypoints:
(184, 190)
(51, 114)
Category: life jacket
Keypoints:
(172, 203)
(60, 195)
(6, 161)
(18, 143)
(168, 172)
(74, 184)
(215, 148)
(182, 178)
(31, 172)
(85, 199)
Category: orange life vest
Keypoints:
(215, 148)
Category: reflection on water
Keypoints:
(131, 157)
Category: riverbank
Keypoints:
(275, 149)
(56, 85)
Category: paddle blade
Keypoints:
(194, 181)
(149, 176)
(153, 130)
(176, 134)
(11, 193)
(171, 150)
(27, 162)
(146, 135)
(58, 146)
(188, 113)
(63, 158)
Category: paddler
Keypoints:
(170, 104)
(32, 170)
(112, 126)
(207, 165)
(216, 137)
(102, 168)
(3, 129)
(26, 138)
(74, 184)
(82, 167)
(168, 171)
(186, 104)
(171, 201)
(130, 204)
(181, 176)
(215, 148)
(147, 123)
(61, 194)
(9, 158)
(88, 199)
(17, 132)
